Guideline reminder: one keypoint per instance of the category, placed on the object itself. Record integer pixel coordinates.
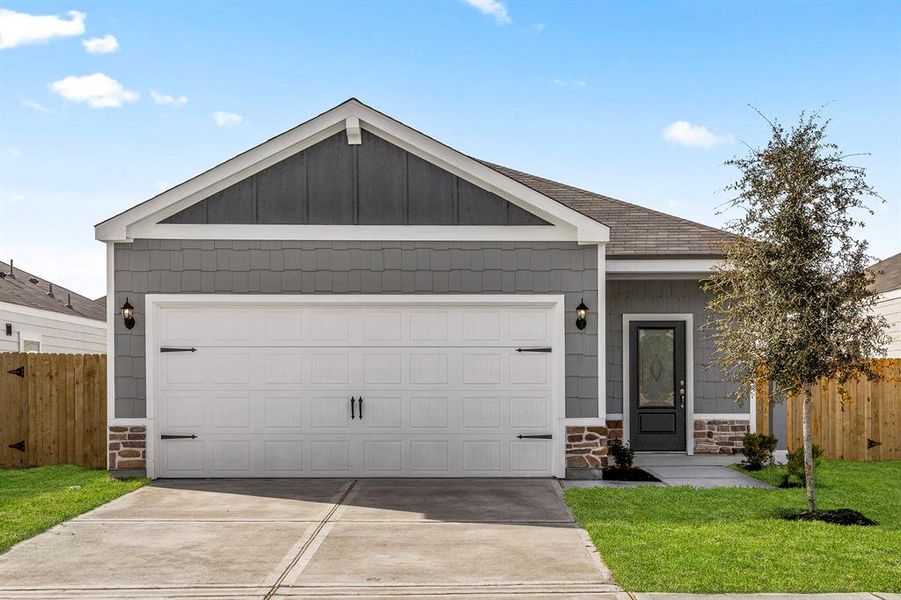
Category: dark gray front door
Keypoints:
(657, 385)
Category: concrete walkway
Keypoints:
(673, 469)
(428, 538)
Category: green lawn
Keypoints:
(658, 539)
(32, 500)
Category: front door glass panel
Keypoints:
(656, 367)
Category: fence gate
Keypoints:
(52, 409)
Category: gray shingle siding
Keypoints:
(249, 267)
(712, 393)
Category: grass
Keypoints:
(33, 500)
(660, 539)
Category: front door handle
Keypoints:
(361, 407)
(352, 400)
(682, 393)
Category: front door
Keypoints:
(657, 385)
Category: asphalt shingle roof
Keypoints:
(635, 231)
(19, 290)
(888, 274)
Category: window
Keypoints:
(29, 342)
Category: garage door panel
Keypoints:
(529, 412)
(282, 411)
(330, 455)
(228, 411)
(428, 368)
(230, 457)
(184, 458)
(182, 410)
(329, 326)
(428, 412)
(430, 457)
(283, 457)
(329, 411)
(529, 369)
(481, 326)
(382, 368)
(330, 368)
(480, 412)
(529, 456)
(529, 326)
(444, 392)
(481, 368)
(382, 412)
(283, 366)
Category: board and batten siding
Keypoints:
(58, 335)
(712, 393)
(306, 267)
(373, 183)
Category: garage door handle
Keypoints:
(168, 349)
(169, 436)
(543, 436)
(361, 407)
(352, 400)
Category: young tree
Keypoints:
(792, 299)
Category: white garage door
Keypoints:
(354, 390)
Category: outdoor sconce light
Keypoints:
(581, 315)
(128, 314)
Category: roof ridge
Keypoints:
(598, 195)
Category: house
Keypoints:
(355, 298)
(888, 285)
(41, 316)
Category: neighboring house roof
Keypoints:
(20, 290)
(888, 274)
(637, 231)
(634, 230)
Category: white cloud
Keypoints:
(101, 45)
(19, 29)
(29, 103)
(97, 90)
(580, 83)
(494, 8)
(538, 26)
(167, 100)
(227, 119)
(687, 134)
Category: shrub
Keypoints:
(794, 468)
(758, 450)
(622, 454)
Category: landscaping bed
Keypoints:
(682, 539)
(33, 500)
(626, 474)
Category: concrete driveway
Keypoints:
(316, 538)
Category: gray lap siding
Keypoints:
(288, 267)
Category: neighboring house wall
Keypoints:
(712, 393)
(58, 333)
(272, 267)
(889, 306)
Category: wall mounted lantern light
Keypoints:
(581, 315)
(128, 314)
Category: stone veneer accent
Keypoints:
(586, 446)
(127, 447)
(720, 436)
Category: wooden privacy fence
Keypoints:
(52, 409)
(865, 424)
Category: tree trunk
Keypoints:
(808, 451)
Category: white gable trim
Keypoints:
(143, 219)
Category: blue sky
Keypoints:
(589, 93)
